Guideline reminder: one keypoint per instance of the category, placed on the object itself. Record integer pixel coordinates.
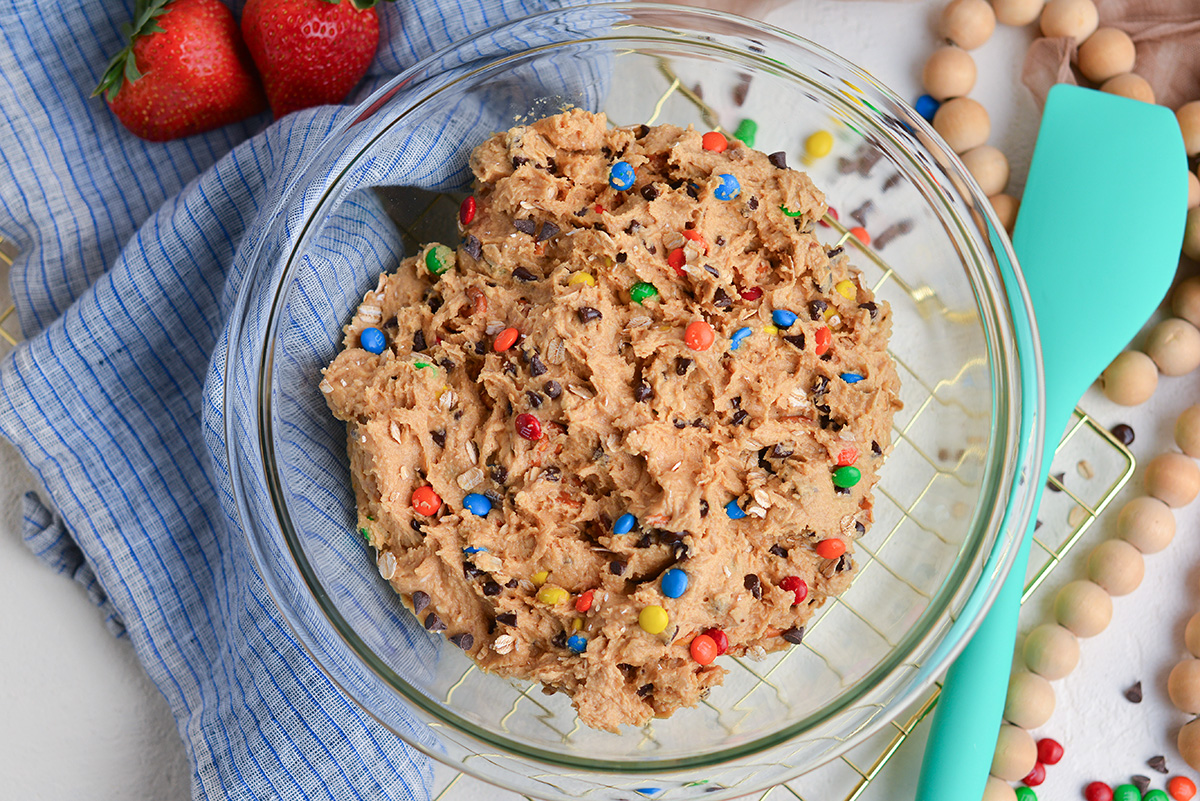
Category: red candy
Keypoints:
(753, 293)
(529, 427)
(698, 335)
(425, 501)
(1098, 791)
(505, 340)
(796, 585)
(824, 337)
(694, 236)
(714, 141)
(849, 456)
(861, 234)
(466, 212)
(1181, 788)
(719, 638)
(831, 548)
(1049, 751)
(703, 649)
(677, 258)
(1036, 776)
(832, 212)
(584, 602)
(598, 209)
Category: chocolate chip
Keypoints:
(875, 449)
(679, 550)
(509, 367)
(841, 490)
(643, 392)
(446, 364)
(795, 340)
(1059, 477)
(491, 588)
(439, 437)
(627, 670)
(470, 571)
(816, 308)
(551, 165)
(525, 226)
(499, 474)
(521, 274)
(859, 528)
(434, 623)
(518, 161)
(779, 551)
(833, 253)
(559, 640)
(843, 563)
(741, 89)
(616, 567)
(794, 635)
(643, 131)
(622, 257)
(644, 542)
(721, 300)
(607, 151)
(752, 583)
(536, 366)
(420, 601)
(1123, 433)
(651, 249)
(535, 400)
(720, 240)
(1158, 763)
(419, 340)
(463, 641)
(682, 365)
(892, 180)
(1134, 694)
(821, 386)
(645, 690)
(435, 302)
(416, 525)
(588, 313)
(480, 348)
(708, 268)
(633, 226)
(548, 230)
(752, 203)
(552, 474)
(679, 423)
(507, 618)
(552, 389)
(473, 247)
(1142, 782)
(779, 159)
(739, 417)
(693, 191)
(650, 192)
(860, 214)
(871, 307)
(512, 584)
(781, 451)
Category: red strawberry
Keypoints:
(310, 52)
(184, 71)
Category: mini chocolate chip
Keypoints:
(736, 401)
(499, 474)
(875, 449)
(535, 400)
(507, 618)
(525, 226)
(548, 230)
(794, 635)
(419, 340)
(752, 583)
(841, 490)
(581, 213)
(644, 542)
(627, 670)
(491, 627)
(463, 641)
(493, 496)
(416, 525)
(860, 214)
(843, 563)
(518, 161)
(480, 348)
(420, 600)
(823, 422)
(491, 588)
(708, 268)
(795, 340)
(473, 247)
(617, 568)
(643, 131)
(779, 159)
(649, 191)
(551, 164)
(703, 508)
(621, 257)
(891, 181)
(816, 308)
(536, 366)
(1059, 477)
(509, 367)
(446, 364)
(859, 528)
(651, 249)
(645, 690)
(559, 640)
(1134, 694)
(781, 451)
(779, 551)
(1142, 782)
(827, 357)
(435, 302)
(633, 226)
(1158, 763)
(588, 313)
(552, 474)
(693, 191)
(679, 550)
(512, 584)
(607, 151)
(521, 274)
(439, 437)
(643, 392)
(682, 365)
(833, 253)
(552, 389)
(739, 417)
(434, 623)
(470, 571)
(721, 300)
(821, 386)
(1123, 433)
(679, 423)
(752, 203)
(871, 308)
(720, 240)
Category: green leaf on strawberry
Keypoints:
(123, 66)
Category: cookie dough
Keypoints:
(640, 402)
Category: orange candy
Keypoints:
(505, 339)
(831, 548)
(847, 457)
(695, 236)
(584, 602)
(823, 336)
(677, 258)
(861, 234)
(714, 141)
(703, 649)
(698, 335)
(1181, 788)
(425, 501)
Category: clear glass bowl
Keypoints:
(949, 506)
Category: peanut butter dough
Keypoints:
(725, 457)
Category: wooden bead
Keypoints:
(1185, 301)
(1131, 378)
(1189, 743)
(1187, 431)
(1191, 233)
(1083, 608)
(1017, 12)
(1016, 754)
(1030, 701)
(1173, 478)
(1107, 53)
(1146, 523)
(1051, 651)
(1077, 19)
(997, 789)
(1191, 635)
(1174, 345)
(1189, 123)
(990, 168)
(963, 123)
(1135, 87)
(949, 72)
(1183, 686)
(1006, 207)
(1116, 566)
(967, 23)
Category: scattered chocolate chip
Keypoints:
(794, 635)
(892, 180)
(551, 165)
(499, 473)
(434, 623)
(552, 389)
(419, 340)
(473, 247)
(536, 366)
(693, 191)
(891, 232)
(616, 567)
(1142, 782)
(781, 451)
(1123, 433)
(649, 191)
(521, 274)
(779, 159)
(510, 367)
(679, 423)
(420, 601)
(816, 308)
(507, 618)
(739, 417)
(1059, 478)
(491, 588)
(642, 131)
(795, 340)
(721, 300)
(463, 641)
(535, 400)
(439, 437)
(752, 583)
(752, 203)
(645, 690)
(627, 670)
(588, 313)
(1158, 763)
(446, 364)
(779, 551)
(741, 89)
(525, 226)
(859, 215)
(559, 640)
(552, 474)
(875, 449)
(1134, 694)
(703, 508)
(512, 584)
(698, 423)
(416, 525)
(622, 257)
(518, 161)
(643, 392)
(682, 365)
(548, 230)
(859, 528)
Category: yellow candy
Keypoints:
(830, 312)
(577, 623)
(846, 289)
(770, 330)
(540, 578)
(653, 619)
(819, 144)
(552, 596)
(582, 278)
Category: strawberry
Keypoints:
(310, 52)
(184, 71)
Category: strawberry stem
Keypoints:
(123, 66)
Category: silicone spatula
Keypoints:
(1097, 239)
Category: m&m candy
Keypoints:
(729, 188)
(714, 141)
(674, 583)
(698, 335)
(372, 340)
(831, 548)
(734, 511)
(425, 501)
(653, 619)
(577, 643)
(621, 176)
(783, 317)
(703, 649)
(476, 504)
(736, 338)
(846, 477)
(624, 524)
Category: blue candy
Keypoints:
(624, 524)
(621, 176)
(851, 378)
(783, 318)
(674, 582)
(577, 643)
(372, 340)
(738, 336)
(729, 188)
(477, 504)
(926, 106)
(734, 511)
(474, 549)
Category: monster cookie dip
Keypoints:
(632, 423)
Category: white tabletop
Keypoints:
(81, 720)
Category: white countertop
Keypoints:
(81, 720)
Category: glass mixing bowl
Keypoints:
(953, 494)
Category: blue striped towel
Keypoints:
(127, 275)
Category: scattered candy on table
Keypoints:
(1026, 794)
(1126, 792)
(1098, 791)
(372, 340)
(1036, 776)
(1181, 788)
(926, 106)
(621, 176)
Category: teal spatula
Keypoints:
(1097, 239)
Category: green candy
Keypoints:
(1156, 795)
(746, 131)
(1025, 794)
(846, 477)
(789, 212)
(642, 291)
(438, 259)
(365, 534)
(1127, 792)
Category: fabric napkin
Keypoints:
(132, 255)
